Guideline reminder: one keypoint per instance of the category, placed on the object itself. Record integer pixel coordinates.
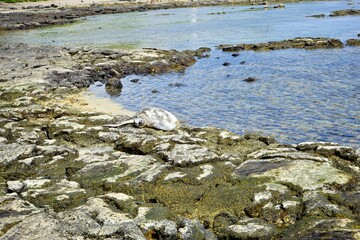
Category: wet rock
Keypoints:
(176, 84)
(345, 12)
(226, 64)
(202, 52)
(216, 13)
(250, 79)
(353, 42)
(317, 16)
(113, 86)
(136, 80)
(305, 43)
(154, 91)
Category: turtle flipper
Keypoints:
(131, 121)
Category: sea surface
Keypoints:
(299, 95)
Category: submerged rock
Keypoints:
(317, 16)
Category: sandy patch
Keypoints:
(88, 102)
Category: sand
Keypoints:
(87, 101)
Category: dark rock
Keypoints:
(226, 64)
(235, 54)
(279, 6)
(176, 84)
(154, 91)
(242, 62)
(224, 220)
(135, 80)
(353, 42)
(305, 43)
(250, 79)
(216, 13)
(202, 52)
(113, 86)
(317, 16)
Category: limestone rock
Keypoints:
(306, 174)
(250, 229)
(15, 151)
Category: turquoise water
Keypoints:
(300, 95)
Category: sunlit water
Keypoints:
(300, 95)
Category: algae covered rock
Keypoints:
(300, 42)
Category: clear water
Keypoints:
(191, 28)
(300, 95)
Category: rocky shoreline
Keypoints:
(65, 176)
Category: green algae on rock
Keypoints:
(300, 42)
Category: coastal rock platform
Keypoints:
(65, 176)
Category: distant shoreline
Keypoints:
(27, 15)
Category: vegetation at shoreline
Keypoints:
(16, 1)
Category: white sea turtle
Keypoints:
(153, 118)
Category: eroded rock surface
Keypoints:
(65, 176)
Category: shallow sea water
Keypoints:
(300, 95)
